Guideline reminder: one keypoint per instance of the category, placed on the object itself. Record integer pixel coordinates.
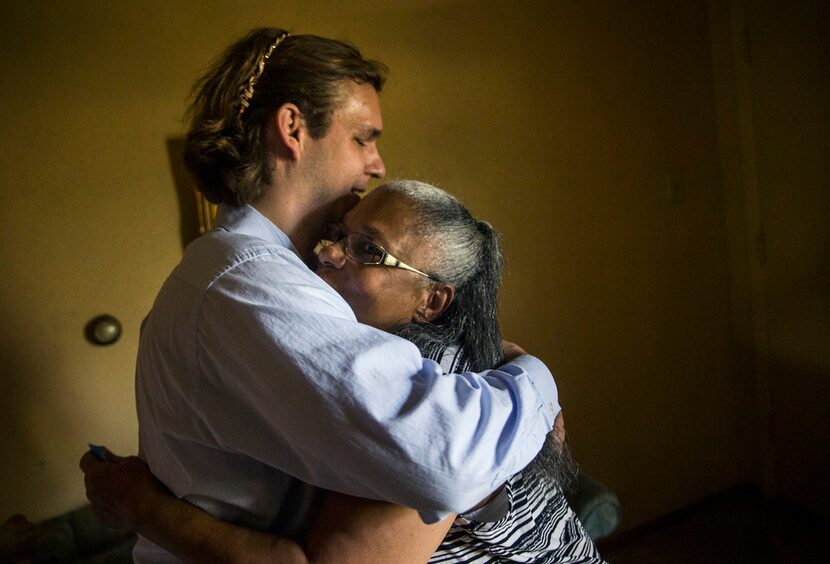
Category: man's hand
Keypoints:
(511, 350)
(119, 489)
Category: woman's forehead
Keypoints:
(382, 215)
(381, 210)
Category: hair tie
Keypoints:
(248, 93)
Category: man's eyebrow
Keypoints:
(370, 133)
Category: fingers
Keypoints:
(111, 456)
(511, 350)
(88, 461)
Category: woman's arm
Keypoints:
(126, 495)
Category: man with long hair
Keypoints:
(254, 379)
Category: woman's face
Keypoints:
(381, 296)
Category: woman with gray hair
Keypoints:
(409, 259)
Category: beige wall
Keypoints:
(557, 121)
(773, 105)
(791, 85)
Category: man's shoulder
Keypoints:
(214, 254)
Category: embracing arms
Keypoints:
(275, 366)
(125, 495)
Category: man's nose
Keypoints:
(333, 255)
(375, 167)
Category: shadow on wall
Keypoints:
(185, 190)
(32, 424)
(20, 444)
(800, 396)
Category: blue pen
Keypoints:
(98, 452)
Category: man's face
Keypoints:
(340, 164)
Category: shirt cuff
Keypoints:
(432, 517)
(494, 510)
(542, 381)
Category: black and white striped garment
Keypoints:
(529, 520)
(539, 527)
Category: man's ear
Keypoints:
(436, 302)
(288, 121)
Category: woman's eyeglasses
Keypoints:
(361, 249)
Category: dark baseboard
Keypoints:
(743, 490)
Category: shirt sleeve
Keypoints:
(290, 378)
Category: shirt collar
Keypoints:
(248, 221)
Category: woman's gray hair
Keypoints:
(466, 253)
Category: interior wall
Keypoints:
(773, 88)
(563, 123)
(789, 73)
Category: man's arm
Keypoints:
(376, 419)
(285, 375)
(124, 494)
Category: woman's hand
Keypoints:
(559, 428)
(120, 490)
(511, 350)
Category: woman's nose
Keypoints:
(332, 255)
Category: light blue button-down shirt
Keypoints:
(252, 370)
